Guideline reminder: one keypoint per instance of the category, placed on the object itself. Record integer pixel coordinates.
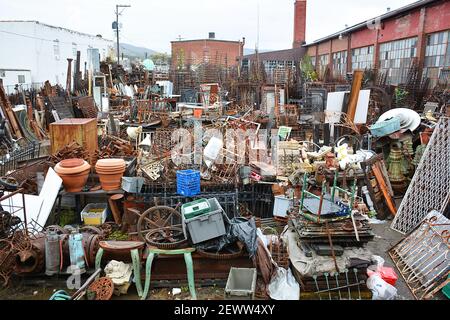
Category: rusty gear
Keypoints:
(166, 238)
(220, 256)
(103, 288)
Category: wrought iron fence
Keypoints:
(11, 160)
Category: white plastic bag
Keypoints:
(284, 286)
(377, 263)
(381, 290)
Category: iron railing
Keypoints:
(10, 161)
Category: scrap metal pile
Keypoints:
(189, 172)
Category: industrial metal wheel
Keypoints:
(167, 238)
(92, 230)
(227, 254)
(159, 217)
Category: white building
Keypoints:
(41, 50)
(10, 77)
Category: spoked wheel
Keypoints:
(166, 238)
(158, 218)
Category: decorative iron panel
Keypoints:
(430, 186)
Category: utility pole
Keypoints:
(117, 28)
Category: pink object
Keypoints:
(386, 273)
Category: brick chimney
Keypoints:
(299, 23)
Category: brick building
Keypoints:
(419, 31)
(213, 51)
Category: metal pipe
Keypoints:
(86, 284)
(342, 287)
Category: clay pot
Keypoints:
(71, 163)
(426, 136)
(110, 173)
(74, 173)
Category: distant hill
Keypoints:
(136, 52)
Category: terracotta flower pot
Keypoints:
(111, 182)
(110, 163)
(74, 173)
(71, 163)
(109, 170)
(110, 173)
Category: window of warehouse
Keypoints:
(56, 49)
(339, 63)
(396, 58)
(362, 58)
(276, 71)
(21, 78)
(323, 63)
(437, 55)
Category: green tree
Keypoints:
(160, 58)
(307, 69)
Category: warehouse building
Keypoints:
(390, 43)
(213, 51)
(33, 52)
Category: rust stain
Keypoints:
(403, 24)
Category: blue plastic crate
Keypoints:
(188, 183)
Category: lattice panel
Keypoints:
(430, 186)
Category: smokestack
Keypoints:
(299, 23)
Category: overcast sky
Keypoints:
(153, 24)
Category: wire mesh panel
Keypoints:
(430, 187)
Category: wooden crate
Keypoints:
(82, 131)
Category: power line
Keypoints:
(135, 52)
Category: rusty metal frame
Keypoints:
(423, 256)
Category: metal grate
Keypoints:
(62, 107)
(430, 187)
(422, 257)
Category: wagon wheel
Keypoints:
(166, 238)
(158, 217)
